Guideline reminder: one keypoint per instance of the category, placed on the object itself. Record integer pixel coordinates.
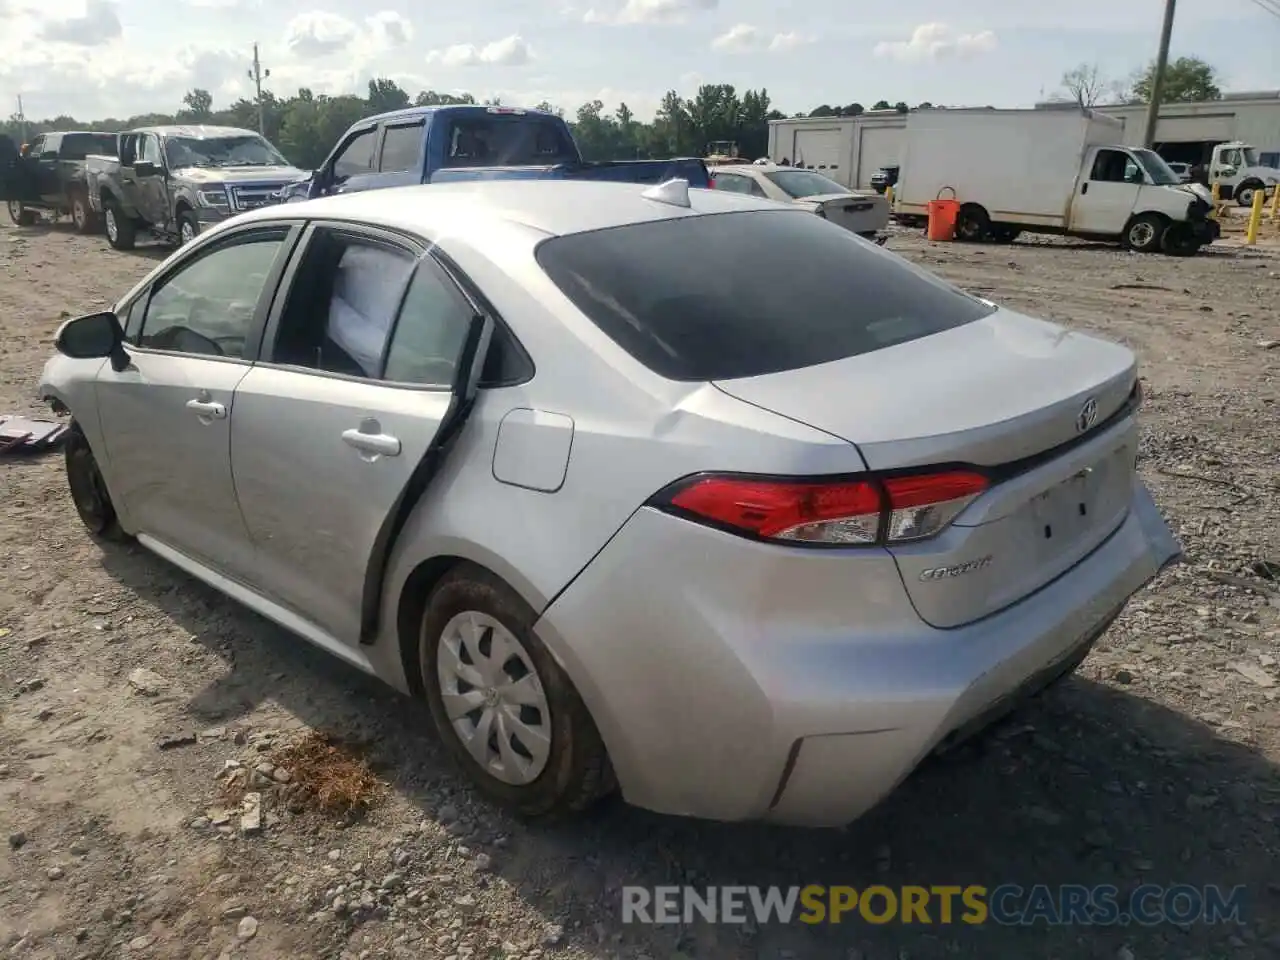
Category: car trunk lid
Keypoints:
(850, 211)
(1040, 409)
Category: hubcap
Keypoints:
(113, 231)
(1141, 234)
(15, 210)
(77, 213)
(493, 698)
(188, 232)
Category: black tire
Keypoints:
(187, 221)
(1003, 233)
(1145, 233)
(21, 216)
(577, 773)
(1244, 193)
(1179, 240)
(83, 216)
(122, 232)
(973, 225)
(89, 490)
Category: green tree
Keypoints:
(882, 105)
(386, 95)
(1185, 79)
(853, 110)
(199, 104)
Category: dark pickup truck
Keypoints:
(468, 142)
(48, 177)
(172, 181)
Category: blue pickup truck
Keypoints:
(469, 142)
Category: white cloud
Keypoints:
(744, 38)
(510, 51)
(97, 24)
(935, 41)
(318, 33)
(650, 11)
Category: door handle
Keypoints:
(207, 409)
(1084, 187)
(381, 444)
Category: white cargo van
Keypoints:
(1057, 171)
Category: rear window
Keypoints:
(77, 146)
(729, 295)
(510, 140)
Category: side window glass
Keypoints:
(342, 305)
(400, 147)
(207, 307)
(758, 191)
(357, 156)
(128, 149)
(151, 150)
(133, 317)
(732, 183)
(430, 330)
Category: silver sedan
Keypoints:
(866, 214)
(626, 502)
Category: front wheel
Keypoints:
(188, 227)
(1245, 192)
(503, 707)
(88, 488)
(973, 225)
(1179, 240)
(1144, 233)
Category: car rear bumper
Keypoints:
(734, 680)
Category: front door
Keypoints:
(334, 424)
(19, 182)
(167, 416)
(1105, 201)
(153, 190)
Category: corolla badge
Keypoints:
(1087, 416)
(955, 570)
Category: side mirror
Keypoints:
(92, 337)
(1227, 171)
(144, 168)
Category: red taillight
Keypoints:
(860, 511)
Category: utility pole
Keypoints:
(22, 121)
(257, 75)
(1157, 76)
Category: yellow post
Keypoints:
(1217, 200)
(1275, 206)
(1255, 217)
(888, 195)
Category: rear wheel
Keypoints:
(1245, 192)
(121, 231)
(1003, 233)
(502, 705)
(20, 215)
(1144, 233)
(89, 490)
(973, 224)
(82, 215)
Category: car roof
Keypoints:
(750, 168)
(553, 207)
(195, 131)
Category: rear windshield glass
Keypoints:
(743, 294)
(77, 146)
(497, 140)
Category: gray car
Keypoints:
(172, 182)
(624, 499)
(866, 214)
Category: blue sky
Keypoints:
(94, 58)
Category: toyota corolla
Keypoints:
(673, 491)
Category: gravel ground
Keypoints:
(133, 701)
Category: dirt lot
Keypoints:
(136, 707)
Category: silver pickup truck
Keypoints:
(172, 181)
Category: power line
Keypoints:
(1268, 6)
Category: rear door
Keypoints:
(369, 367)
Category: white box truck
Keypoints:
(1057, 171)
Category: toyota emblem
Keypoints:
(1087, 416)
